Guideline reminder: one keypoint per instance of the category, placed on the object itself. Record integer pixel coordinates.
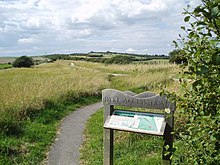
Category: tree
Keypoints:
(119, 60)
(199, 101)
(177, 56)
(23, 61)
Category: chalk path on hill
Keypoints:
(65, 150)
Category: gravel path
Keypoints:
(65, 150)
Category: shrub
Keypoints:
(119, 60)
(177, 56)
(23, 61)
(199, 101)
(95, 55)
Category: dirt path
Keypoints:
(65, 150)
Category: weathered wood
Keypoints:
(108, 138)
(130, 93)
(148, 100)
(168, 136)
(108, 146)
(141, 95)
(168, 145)
(145, 95)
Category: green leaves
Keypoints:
(23, 61)
(183, 27)
(201, 23)
(202, 70)
(216, 59)
(215, 43)
(200, 97)
(215, 12)
(196, 83)
(187, 18)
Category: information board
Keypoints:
(136, 122)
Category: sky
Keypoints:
(42, 27)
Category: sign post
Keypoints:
(139, 122)
(108, 138)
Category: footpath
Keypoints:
(65, 150)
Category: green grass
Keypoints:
(25, 88)
(27, 141)
(130, 148)
(34, 100)
(5, 66)
(155, 62)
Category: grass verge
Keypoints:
(5, 66)
(27, 141)
(129, 148)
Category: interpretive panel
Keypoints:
(136, 122)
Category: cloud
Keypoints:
(85, 25)
(130, 50)
(26, 40)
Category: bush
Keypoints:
(23, 61)
(119, 60)
(177, 56)
(199, 101)
(95, 55)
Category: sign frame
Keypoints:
(134, 122)
(148, 100)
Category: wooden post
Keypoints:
(148, 100)
(168, 136)
(168, 142)
(108, 138)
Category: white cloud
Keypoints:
(26, 40)
(87, 10)
(130, 50)
(144, 51)
(85, 25)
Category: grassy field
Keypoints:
(30, 96)
(130, 148)
(155, 62)
(23, 88)
(27, 88)
(5, 66)
(136, 77)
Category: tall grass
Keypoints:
(130, 148)
(134, 76)
(28, 88)
(28, 98)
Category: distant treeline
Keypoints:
(105, 57)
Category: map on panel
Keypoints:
(136, 122)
